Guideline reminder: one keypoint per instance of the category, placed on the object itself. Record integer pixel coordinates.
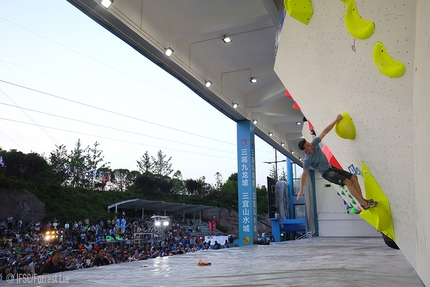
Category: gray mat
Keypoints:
(309, 262)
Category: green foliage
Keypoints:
(159, 166)
(229, 193)
(69, 204)
(283, 174)
(69, 199)
(262, 200)
(273, 173)
(121, 178)
(145, 164)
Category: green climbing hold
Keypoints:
(354, 211)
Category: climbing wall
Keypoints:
(327, 71)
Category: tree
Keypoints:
(204, 187)
(120, 178)
(218, 183)
(59, 162)
(229, 192)
(95, 160)
(192, 186)
(262, 200)
(77, 161)
(27, 166)
(132, 176)
(273, 172)
(283, 175)
(151, 187)
(178, 183)
(161, 166)
(145, 164)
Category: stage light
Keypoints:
(106, 3)
(168, 52)
(226, 39)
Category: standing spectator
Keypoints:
(9, 222)
(18, 225)
(66, 228)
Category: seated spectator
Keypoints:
(101, 259)
(53, 265)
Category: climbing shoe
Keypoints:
(371, 204)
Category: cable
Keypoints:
(86, 56)
(108, 111)
(33, 120)
(107, 127)
(96, 92)
(11, 139)
(114, 139)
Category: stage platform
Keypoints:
(309, 262)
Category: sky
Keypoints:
(64, 78)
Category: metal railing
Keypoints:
(306, 235)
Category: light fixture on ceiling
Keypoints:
(106, 3)
(298, 123)
(270, 134)
(253, 80)
(226, 39)
(300, 158)
(282, 144)
(292, 152)
(255, 121)
(168, 52)
(235, 105)
(208, 84)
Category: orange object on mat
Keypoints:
(203, 263)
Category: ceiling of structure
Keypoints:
(194, 30)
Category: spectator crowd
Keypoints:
(34, 248)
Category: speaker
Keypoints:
(273, 203)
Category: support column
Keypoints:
(247, 196)
(314, 195)
(290, 179)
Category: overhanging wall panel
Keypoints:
(326, 77)
(421, 105)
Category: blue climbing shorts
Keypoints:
(336, 176)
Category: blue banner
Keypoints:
(246, 183)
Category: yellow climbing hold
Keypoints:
(345, 128)
(300, 10)
(385, 63)
(358, 27)
(379, 216)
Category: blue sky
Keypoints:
(63, 78)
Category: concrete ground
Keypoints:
(309, 262)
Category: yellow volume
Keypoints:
(385, 63)
(358, 27)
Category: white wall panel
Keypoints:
(333, 219)
(391, 115)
